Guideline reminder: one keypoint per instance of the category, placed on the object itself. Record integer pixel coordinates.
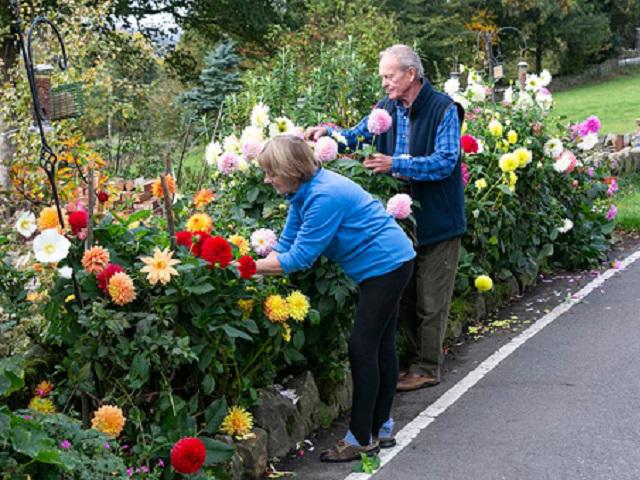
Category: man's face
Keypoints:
(396, 81)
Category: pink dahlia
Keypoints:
(263, 240)
(326, 149)
(399, 206)
(251, 149)
(379, 121)
(228, 163)
(465, 174)
(565, 162)
(590, 125)
(613, 211)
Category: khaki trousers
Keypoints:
(424, 309)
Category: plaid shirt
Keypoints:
(437, 166)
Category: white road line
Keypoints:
(405, 436)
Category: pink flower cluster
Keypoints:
(611, 214)
(379, 121)
(590, 125)
(251, 149)
(228, 163)
(326, 149)
(399, 206)
(465, 174)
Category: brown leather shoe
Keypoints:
(345, 452)
(415, 381)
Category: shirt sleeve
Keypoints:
(320, 222)
(441, 162)
(290, 230)
(354, 136)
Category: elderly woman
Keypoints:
(332, 216)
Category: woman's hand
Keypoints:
(270, 265)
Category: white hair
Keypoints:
(406, 57)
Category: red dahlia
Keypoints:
(78, 220)
(469, 144)
(246, 267)
(192, 240)
(217, 251)
(188, 454)
(105, 275)
(103, 196)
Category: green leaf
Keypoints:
(217, 451)
(140, 368)
(214, 414)
(11, 375)
(235, 333)
(201, 289)
(208, 384)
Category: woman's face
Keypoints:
(282, 186)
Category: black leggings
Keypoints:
(372, 351)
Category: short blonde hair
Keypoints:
(288, 157)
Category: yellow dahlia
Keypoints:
(298, 306)
(48, 218)
(199, 222)
(508, 162)
(42, 405)
(121, 289)
(483, 283)
(524, 156)
(156, 188)
(240, 242)
(276, 308)
(203, 198)
(95, 259)
(108, 420)
(159, 268)
(512, 136)
(246, 306)
(495, 127)
(286, 334)
(238, 423)
(481, 184)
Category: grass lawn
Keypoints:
(629, 203)
(615, 101)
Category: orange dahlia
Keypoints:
(240, 242)
(203, 198)
(276, 308)
(109, 420)
(44, 389)
(95, 259)
(48, 218)
(156, 188)
(121, 289)
(199, 222)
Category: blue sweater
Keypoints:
(332, 216)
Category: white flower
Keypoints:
(507, 98)
(26, 224)
(251, 134)
(338, 137)
(588, 142)
(553, 147)
(566, 226)
(462, 100)
(65, 272)
(139, 183)
(279, 126)
(477, 92)
(544, 99)
(50, 246)
(260, 116)
(545, 78)
(263, 240)
(232, 144)
(473, 77)
(214, 150)
(524, 101)
(451, 86)
(533, 83)
(480, 145)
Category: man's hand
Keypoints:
(314, 133)
(378, 163)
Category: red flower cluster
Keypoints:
(246, 267)
(192, 240)
(105, 275)
(78, 220)
(217, 251)
(188, 455)
(469, 144)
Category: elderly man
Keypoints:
(423, 146)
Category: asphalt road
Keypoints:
(565, 405)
